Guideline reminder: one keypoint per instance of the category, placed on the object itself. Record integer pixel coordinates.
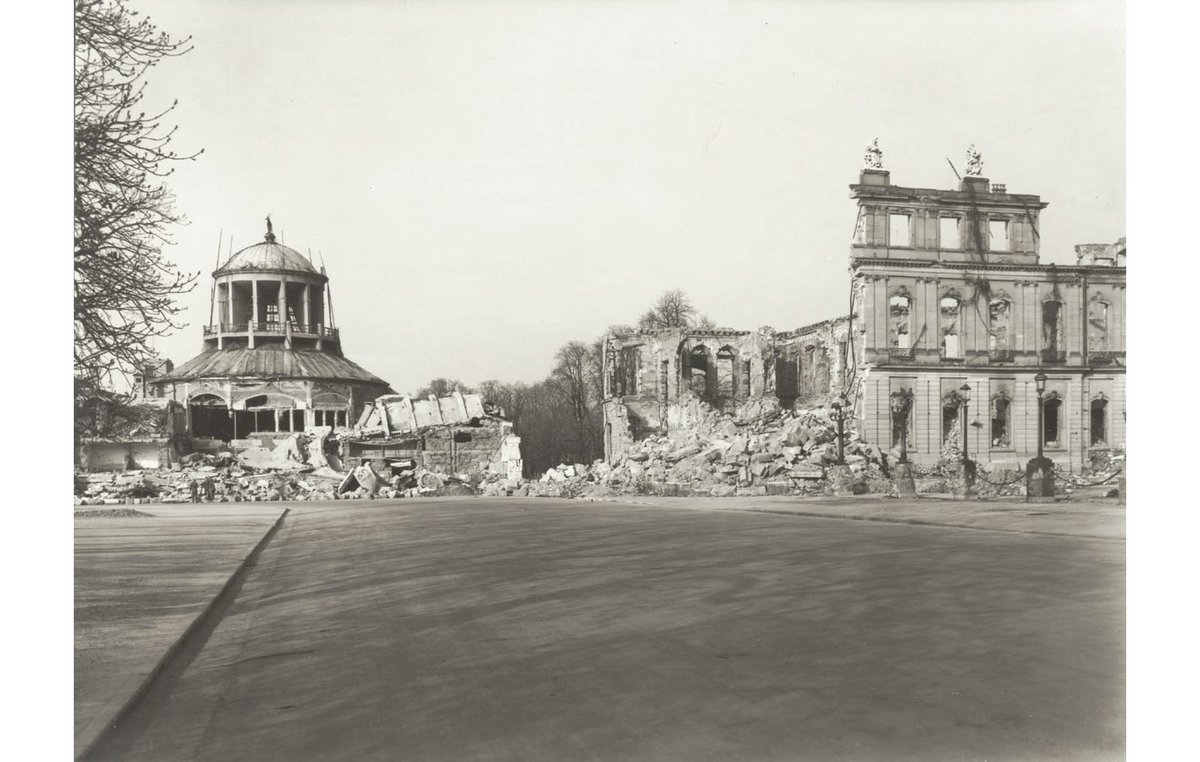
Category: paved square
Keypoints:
(541, 629)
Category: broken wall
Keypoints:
(677, 379)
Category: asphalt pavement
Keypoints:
(548, 630)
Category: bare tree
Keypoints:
(672, 310)
(125, 290)
(440, 387)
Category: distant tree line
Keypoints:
(560, 419)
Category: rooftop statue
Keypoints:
(974, 162)
(873, 158)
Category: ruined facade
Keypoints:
(673, 379)
(948, 291)
(272, 359)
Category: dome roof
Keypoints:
(267, 255)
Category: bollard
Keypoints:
(906, 486)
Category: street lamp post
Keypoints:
(968, 467)
(839, 417)
(901, 407)
(1039, 472)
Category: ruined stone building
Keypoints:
(272, 359)
(947, 290)
(670, 379)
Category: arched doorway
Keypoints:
(210, 417)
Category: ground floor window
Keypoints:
(1001, 420)
(1052, 422)
(1099, 421)
(950, 405)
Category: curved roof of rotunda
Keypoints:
(271, 362)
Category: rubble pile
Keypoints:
(295, 469)
(768, 452)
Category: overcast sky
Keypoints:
(488, 181)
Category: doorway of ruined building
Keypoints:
(787, 378)
(210, 418)
(725, 363)
(698, 371)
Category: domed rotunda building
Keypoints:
(272, 359)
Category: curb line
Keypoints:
(925, 522)
(136, 686)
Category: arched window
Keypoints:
(210, 417)
(725, 357)
(1099, 421)
(900, 311)
(951, 344)
(1052, 421)
(1001, 420)
(698, 368)
(1097, 326)
(999, 312)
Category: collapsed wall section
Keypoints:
(677, 380)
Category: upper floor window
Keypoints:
(998, 235)
(900, 311)
(951, 344)
(948, 235)
(898, 232)
(1097, 326)
(1052, 333)
(998, 318)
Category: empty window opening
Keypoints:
(1051, 421)
(698, 370)
(725, 357)
(948, 233)
(998, 235)
(664, 379)
(900, 308)
(1099, 421)
(1001, 420)
(744, 383)
(950, 405)
(1097, 326)
(998, 314)
(1052, 337)
(902, 421)
(951, 346)
(898, 233)
(787, 378)
(629, 364)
